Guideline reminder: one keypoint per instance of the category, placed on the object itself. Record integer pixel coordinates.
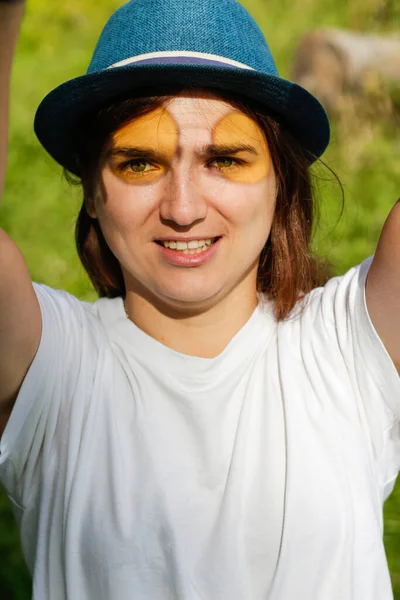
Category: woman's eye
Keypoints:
(139, 165)
(223, 163)
(135, 169)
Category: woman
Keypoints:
(218, 424)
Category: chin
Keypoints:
(189, 298)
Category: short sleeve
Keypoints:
(373, 375)
(39, 422)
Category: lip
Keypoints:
(185, 238)
(178, 259)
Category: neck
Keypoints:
(203, 333)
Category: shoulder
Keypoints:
(340, 295)
(327, 318)
(66, 316)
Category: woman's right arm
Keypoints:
(20, 316)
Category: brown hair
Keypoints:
(287, 268)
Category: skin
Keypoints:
(10, 20)
(179, 189)
(237, 128)
(198, 310)
(383, 286)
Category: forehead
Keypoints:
(192, 118)
(192, 112)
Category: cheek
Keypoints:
(120, 206)
(251, 174)
(248, 206)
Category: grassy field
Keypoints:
(39, 207)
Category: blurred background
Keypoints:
(39, 207)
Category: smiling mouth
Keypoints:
(191, 247)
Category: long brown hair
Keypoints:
(287, 268)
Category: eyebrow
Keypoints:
(222, 149)
(134, 152)
(208, 151)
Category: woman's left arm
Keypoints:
(383, 286)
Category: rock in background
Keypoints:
(350, 72)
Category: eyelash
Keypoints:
(125, 165)
(236, 162)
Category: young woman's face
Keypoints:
(185, 201)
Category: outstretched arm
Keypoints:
(10, 20)
(383, 286)
(20, 316)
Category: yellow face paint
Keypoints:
(153, 135)
(237, 129)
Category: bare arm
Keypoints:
(20, 317)
(383, 286)
(10, 19)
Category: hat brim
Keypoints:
(65, 107)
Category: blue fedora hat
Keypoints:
(211, 44)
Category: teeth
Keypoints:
(192, 247)
(193, 251)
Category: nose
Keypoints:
(184, 201)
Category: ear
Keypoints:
(90, 207)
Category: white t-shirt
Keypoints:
(137, 472)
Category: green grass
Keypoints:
(39, 207)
